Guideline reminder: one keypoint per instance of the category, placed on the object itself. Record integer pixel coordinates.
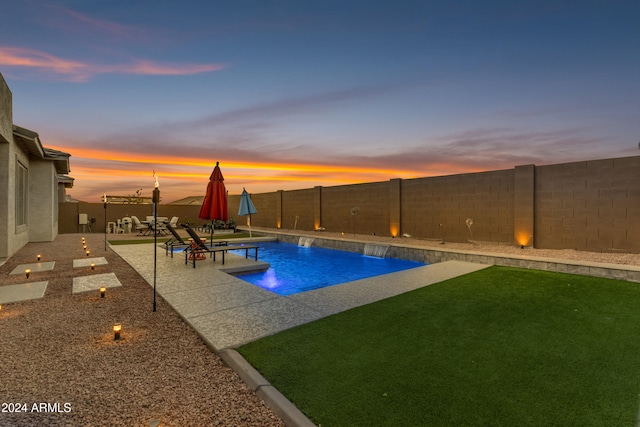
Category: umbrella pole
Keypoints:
(250, 236)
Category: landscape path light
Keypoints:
(117, 328)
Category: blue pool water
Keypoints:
(297, 269)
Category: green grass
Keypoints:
(499, 347)
(164, 239)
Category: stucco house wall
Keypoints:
(20, 147)
(12, 238)
(43, 198)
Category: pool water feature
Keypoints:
(306, 241)
(375, 250)
(296, 268)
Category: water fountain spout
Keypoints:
(375, 250)
(305, 241)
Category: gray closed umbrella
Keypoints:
(246, 207)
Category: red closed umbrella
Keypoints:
(214, 205)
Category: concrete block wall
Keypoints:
(523, 205)
(439, 207)
(299, 204)
(591, 205)
(371, 201)
(68, 214)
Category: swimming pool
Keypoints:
(297, 269)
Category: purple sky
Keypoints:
(294, 94)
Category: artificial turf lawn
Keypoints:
(500, 347)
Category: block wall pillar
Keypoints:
(317, 207)
(279, 194)
(523, 205)
(395, 208)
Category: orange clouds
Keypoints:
(97, 170)
(294, 170)
(78, 71)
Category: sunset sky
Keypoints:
(290, 94)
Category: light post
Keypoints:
(156, 200)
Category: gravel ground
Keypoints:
(59, 350)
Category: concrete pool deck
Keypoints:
(228, 312)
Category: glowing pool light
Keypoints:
(269, 281)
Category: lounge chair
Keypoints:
(141, 228)
(176, 240)
(198, 247)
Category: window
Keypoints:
(21, 194)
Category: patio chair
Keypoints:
(160, 227)
(119, 228)
(141, 228)
(174, 221)
(176, 240)
(126, 224)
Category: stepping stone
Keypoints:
(35, 267)
(95, 282)
(86, 262)
(22, 292)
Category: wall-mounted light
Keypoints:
(116, 331)
(103, 291)
(38, 256)
(27, 272)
